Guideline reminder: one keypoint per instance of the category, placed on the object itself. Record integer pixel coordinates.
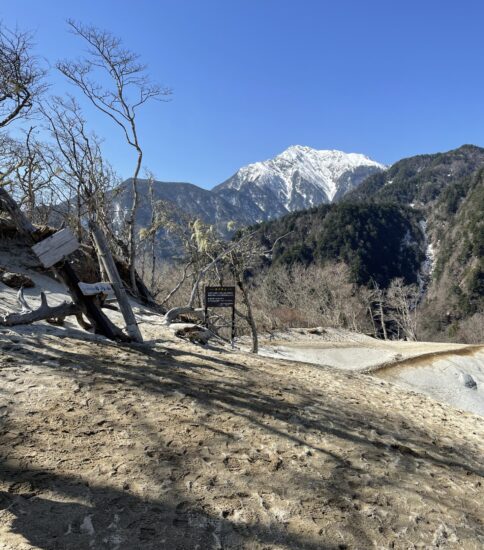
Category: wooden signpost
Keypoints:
(56, 247)
(54, 250)
(221, 296)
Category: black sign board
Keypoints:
(220, 296)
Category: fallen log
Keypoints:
(43, 312)
(58, 315)
(175, 312)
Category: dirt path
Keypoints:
(110, 447)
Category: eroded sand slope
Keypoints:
(450, 373)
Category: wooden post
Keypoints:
(102, 324)
(205, 308)
(115, 280)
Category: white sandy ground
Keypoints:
(172, 446)
(450, 378)
(446, 371)
(450, 373)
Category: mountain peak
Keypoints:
(304, 153)
(297, 149)
(299, 177)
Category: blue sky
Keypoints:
(389, 79)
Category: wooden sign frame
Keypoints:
(220, 296)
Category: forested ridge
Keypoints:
(420, 221)
(377, 241)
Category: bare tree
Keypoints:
(377, 300)
(128, 88)
(211, 253)
(77, 162)
(21, 78)
(150, 234)
(179, 283)
(300, 296)
(403, 300)
(21, 83)
(240, 261)
(33, 176)
(471, 330)
(11, 159)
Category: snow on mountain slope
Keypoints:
(300, 177)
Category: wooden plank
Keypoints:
(91, 289)
(113, 274)
(54, 241)
(53, 257)
(56, 247)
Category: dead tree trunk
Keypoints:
(382, 320)
(175, 312)
(24, 226)
(132, 217)
(102, 324)
(152, 237)
(372, 319)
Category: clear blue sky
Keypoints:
(387, 78)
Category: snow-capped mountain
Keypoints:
(298, 178)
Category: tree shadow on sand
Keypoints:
(54, 510)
